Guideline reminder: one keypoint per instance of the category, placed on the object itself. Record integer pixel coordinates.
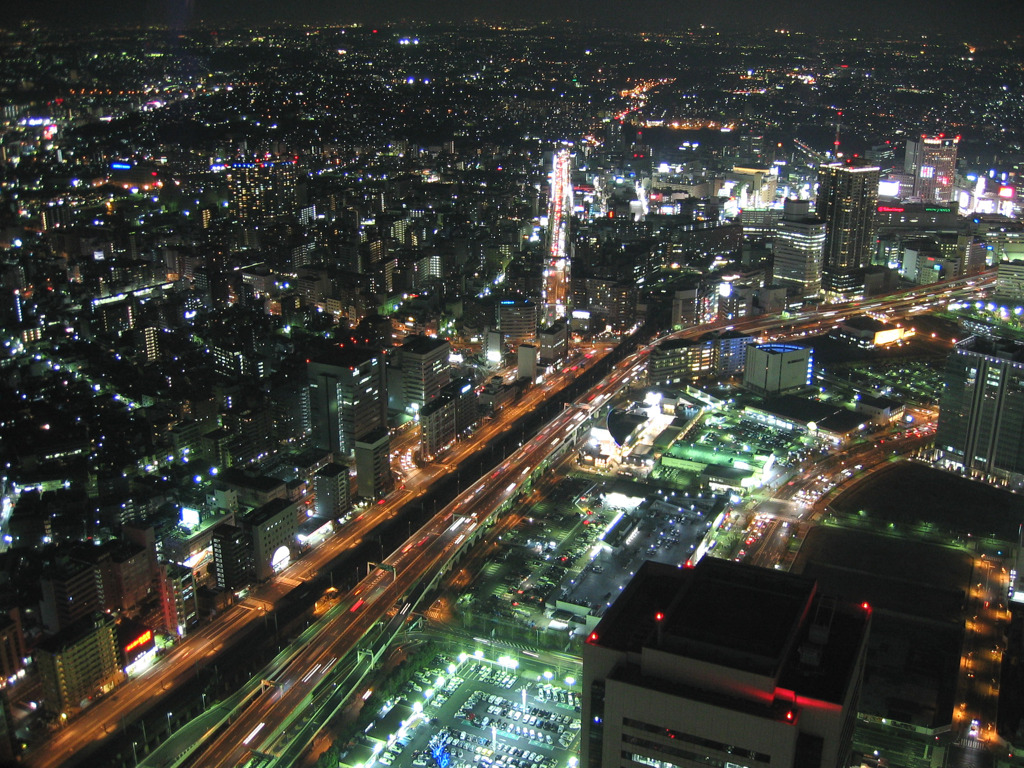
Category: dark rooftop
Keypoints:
(750, 619)
(422, 345)
(828, 417)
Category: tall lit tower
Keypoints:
(931, 160)
(556, 268)
(847, 197)
(799, 242)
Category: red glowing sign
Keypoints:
(1006, 192)
(890, 209)
(141, 640)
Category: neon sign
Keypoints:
(142, 639)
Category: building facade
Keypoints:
(347, 398)
(777, 369)
(931, 160)
(331, 486)
(799, 245)
(374, 479)
(981, 413)
(78, 662)
(847, 200)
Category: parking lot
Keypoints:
(475, 713)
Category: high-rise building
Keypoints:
(931, 160)
(517, 320)
(347, 398)
(263, 191)
(554, 343)
(272, 529)
(70, 589)
(798, 247)
(79, 661)
(331, 487)
(232, 556)
(722, 664)
(981, 413)
(373, 465)
(12, 643)
(425, 369)
(178, 598)
(449, 417)
(847, 199)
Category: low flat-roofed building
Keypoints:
(824, 420)
(881, 410)
(868, 333)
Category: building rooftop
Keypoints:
(73, 633)
(344, 356)
(740, 617)
(423, 345)
(268, 511)
(827, 417)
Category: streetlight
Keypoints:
(168, 723)
(204, 701)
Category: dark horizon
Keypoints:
(995, 19)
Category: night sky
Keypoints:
(998, 18)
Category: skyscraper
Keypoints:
(347, 398)
(425, 369)
(981, 414)
(931, 160)
(722, 665)
(847, 199)
(798, 247)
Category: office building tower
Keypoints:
(373, 465)
(526, 365)
(847, 199)
(425, 369)
(517, 321)
(12, 643)
(722, 664)
(447, 418)
(232, 557)
(272, 528)
(777, 369)
(931, 161)
(799, 244)
(347, 398)
(981, 413)
(178, 598)
(330, 484)
(554, 343)
(70, 589)
(78, 661)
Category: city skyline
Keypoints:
(989, 19)
(314, 336)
